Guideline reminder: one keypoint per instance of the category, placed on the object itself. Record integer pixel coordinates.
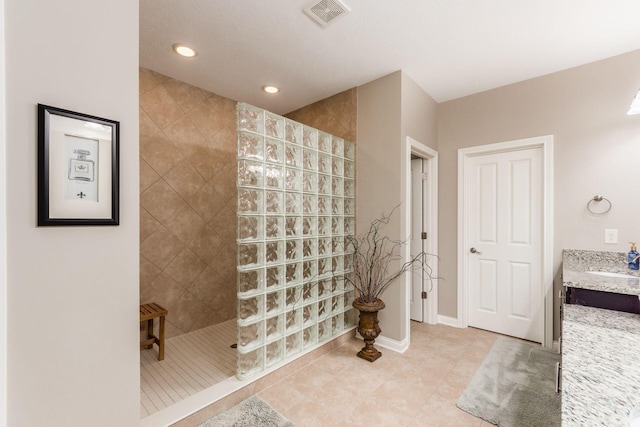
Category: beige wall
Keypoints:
(389, 110)
(419, 114)
(597, 151)
(418, 121)
(72, 297)
(187, 202)
(336, 115)
(377, 179)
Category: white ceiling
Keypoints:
(451, 48)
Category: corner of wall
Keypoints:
(379, 154)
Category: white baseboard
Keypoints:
(388, 343)
(391, 344)
(449, 321)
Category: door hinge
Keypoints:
(424, 235)
(424, 295)
(424, 176)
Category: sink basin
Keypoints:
(609, 274)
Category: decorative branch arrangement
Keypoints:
(373, 255)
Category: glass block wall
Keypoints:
(296, 207)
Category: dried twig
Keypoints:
(373, 255)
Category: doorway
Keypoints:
(422, 225)
(504, 238)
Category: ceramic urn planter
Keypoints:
(368, 327)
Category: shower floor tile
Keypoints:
(192, 362)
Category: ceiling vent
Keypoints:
(324, 12)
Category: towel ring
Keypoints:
(598, 198)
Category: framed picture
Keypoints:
(77, 168)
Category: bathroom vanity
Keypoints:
(600, 339)
(600, 279)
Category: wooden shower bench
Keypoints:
(149, 312)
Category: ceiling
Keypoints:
(451, 48)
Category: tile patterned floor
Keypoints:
(415, 389)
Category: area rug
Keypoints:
(514, 386)
(253, 412)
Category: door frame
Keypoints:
(545, 143)
(430, 305)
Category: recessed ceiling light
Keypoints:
(184, 50)
(270, 89)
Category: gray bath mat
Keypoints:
(253, 412)
(514, 386)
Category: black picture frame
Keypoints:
(78, 168)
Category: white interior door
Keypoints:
(504, 238)
(424, 159)
(417, 243)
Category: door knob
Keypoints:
(474, 251)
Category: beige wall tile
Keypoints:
(165, 291)
(161, 247)
(216, 292)
(207, 245)
(187, 151)
(184, 135)
(148, 224)
(186, 310)
(147, 175)
(148, 272)
(160, 107)
(225, 222)
(203, 286)
(336, 115)
(147, 126)
(171, 330)
(160, 200)
(225, 181)
(207, 160)
(185, 267)
(212, 316)
(159, 152)
(149, 80)
(207, 202)
(225, 265)
(219, 142)
(185, 224)
(184, 179)
(212, 116)
(188, 97)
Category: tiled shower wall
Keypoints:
(187, 202)
(337, 115)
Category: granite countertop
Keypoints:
(600, 366)
(577, 265)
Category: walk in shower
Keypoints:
(244, 220)
(187, 236)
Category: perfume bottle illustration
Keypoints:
(81, 168)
